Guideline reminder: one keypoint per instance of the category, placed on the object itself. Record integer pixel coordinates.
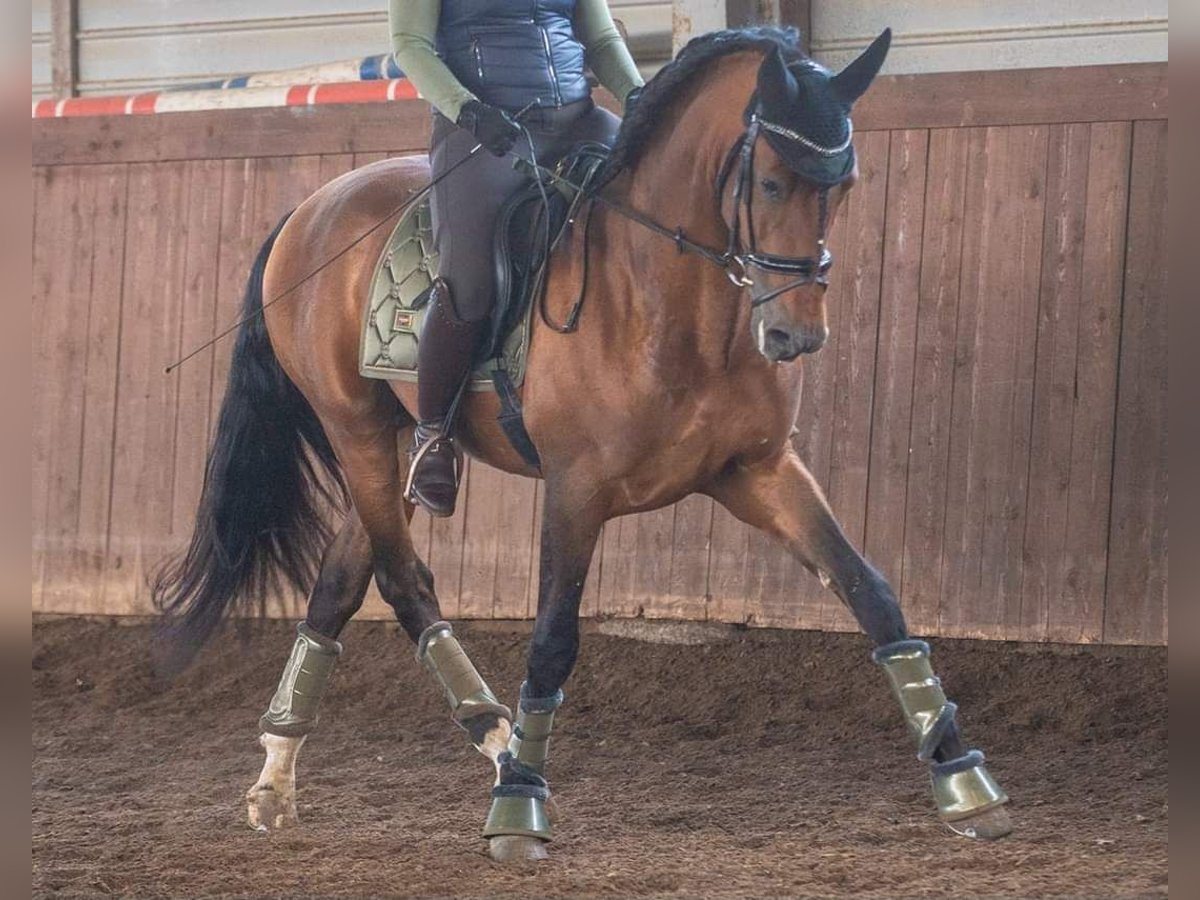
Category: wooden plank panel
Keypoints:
(241, 235)
(532, 592)
(202, 231)
(652, 562)
(481, 499)
(891, 424)
(778, 588)
(1054, 388)
(108, 229)
(589, 604)
(64, 52)
(1136, 594)
(232, 133)
(365, 159)
(690, 545)
(144, 448)
(335, 164)
(620, 549)
(515, 564)
(934, 367)
(1071, 453)
(1002, 245)
(1015, 97)
(446, 551)
(856, 290)
(728, 584)
(932, 100)
(50, 204)
(61, 355)
(1078, 613)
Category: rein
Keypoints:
(737, 260)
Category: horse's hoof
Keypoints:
(985, 826)
(507, 848)
(268, 810)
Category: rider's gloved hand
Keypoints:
(494, 127)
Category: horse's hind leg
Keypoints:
(338, 594)
(780, 497)
(371, 461)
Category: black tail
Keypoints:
(259, 527)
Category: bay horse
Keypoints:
(680, 378)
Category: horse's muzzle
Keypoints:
(780, 344)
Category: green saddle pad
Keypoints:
(392, 325)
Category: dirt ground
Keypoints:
(766, 764)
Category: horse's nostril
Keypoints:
(777, 337)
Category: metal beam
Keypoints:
(800, 14)
(64, 68)
(691, 18)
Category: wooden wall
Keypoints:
(988, 418)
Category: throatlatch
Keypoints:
(519, 800)
(293, 709)
(439, 651)
(962, 787)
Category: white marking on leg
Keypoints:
(271, 803)
(495, 742)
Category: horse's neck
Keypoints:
(683, 295)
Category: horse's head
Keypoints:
(787, 178)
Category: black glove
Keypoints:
(494, 127)
(631, 100)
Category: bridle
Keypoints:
(739, 259)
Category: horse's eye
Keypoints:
(772, 188)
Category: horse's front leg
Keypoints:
(518, 825)
(781, 497)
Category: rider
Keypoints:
(479, 63)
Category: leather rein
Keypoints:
(739, 259)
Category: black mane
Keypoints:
(660, 92)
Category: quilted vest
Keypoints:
(511, 52)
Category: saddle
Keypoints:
(530, 226)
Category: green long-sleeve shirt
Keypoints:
(414, 26)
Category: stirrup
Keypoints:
(435, 441)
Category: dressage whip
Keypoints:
(354, 243)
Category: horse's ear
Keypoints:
(777, 88)
(852, 82)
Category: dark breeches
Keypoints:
(467, 204)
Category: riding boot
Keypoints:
(445, 356)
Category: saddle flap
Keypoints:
(530, 225)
